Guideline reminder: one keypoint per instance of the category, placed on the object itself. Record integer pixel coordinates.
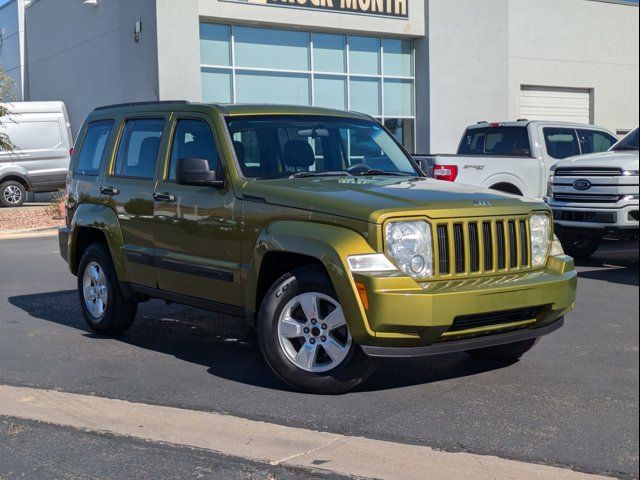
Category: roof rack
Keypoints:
(140, 104)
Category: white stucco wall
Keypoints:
(468, 69)
(86, 56)
(580, 44)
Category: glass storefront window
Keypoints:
(267, 48)
(330, 91)
(364, 55)
(371, 75)
(398, 57)
(215, 44)
(329, 53)
(272, 87)
(398, 98)
(365, 95)
(216, 85)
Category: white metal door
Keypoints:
(557, 104)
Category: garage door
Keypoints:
(558, 104)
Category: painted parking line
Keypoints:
(265, 442)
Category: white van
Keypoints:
(43, 141)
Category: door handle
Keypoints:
(164, 197)
(109, 191)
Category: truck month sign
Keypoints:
(387, 8)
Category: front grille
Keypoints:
(588, 172)
(586, 198)
(468, 322)
(586, 217)
(474, 247)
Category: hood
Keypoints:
(373, 199)
(626, 160)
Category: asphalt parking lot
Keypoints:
(573, 401)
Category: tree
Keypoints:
(7, 85)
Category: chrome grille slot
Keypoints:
(513, 244)
(502, 253)
(488, 245)
(458, 242)
(443, 249)
(524, 244)
(474, 248)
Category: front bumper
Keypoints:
(405, 315)
(595, 217)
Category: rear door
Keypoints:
(197, 228)
(128, 189)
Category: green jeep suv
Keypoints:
(316, 227)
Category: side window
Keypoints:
(561, 142)
(192, 139)
(593, 141)
(93, 146)
(138, 149)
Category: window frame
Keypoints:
(121, 129)
(577, 136)
(112, 131)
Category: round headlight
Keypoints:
(540, 226)
(410, 246)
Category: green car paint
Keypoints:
(231, 238)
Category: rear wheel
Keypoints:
(105, 308)
(12, 194)
(304, 336)
(510, 351)
(580, 245)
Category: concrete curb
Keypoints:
(264, 442)
(28, 233)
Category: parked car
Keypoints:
(316, 227)
(516, 157)
(43, 141)
(594, 196)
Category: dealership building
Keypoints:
(425, 68)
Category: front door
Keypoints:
(197, 227)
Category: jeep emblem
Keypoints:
(481, 203)
(582, 184)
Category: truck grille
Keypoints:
(586, 198)
(474, 247)
(588, 172)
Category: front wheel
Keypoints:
(579, 245)
(304, 337)
(510, 351)
(12, 194)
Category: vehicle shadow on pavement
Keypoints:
(226, 346)
(613, 266)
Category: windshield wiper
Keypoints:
(377, 171)
(321, 174)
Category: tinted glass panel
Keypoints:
(216, 85)
(398, 57)
(268, 87)
(265, 48)
(402, 129)
(592, 141)
(215, 44)
(139, 147)
(329, 53)
(364, 55)
(192, 139)
(331, 92)
(561, 142)
(365, 96)
(278, 146)
(93, 147)
(398, 98)
(496, 141)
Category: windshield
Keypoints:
(630, 142)
(282, 146)
(495, 142)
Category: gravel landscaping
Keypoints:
(29, 217)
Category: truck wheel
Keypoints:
(106, 310)
(304, 337)
(579, 245)
(510, 351)
(12, 194)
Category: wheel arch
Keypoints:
(510, 183)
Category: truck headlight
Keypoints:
(410, 246)
(540, 226)
(556, 247)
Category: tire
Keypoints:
(97, 279)
(579, 245)
(510, 351)
(12, 194)
(333, 363)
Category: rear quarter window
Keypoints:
(496, 141)
(93, 147)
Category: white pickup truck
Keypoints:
(594, 196)
(516, 157)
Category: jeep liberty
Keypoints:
(315, 226)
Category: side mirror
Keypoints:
(196, 171)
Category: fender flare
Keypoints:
(506, 178)
(103, 219)
(330, 245)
